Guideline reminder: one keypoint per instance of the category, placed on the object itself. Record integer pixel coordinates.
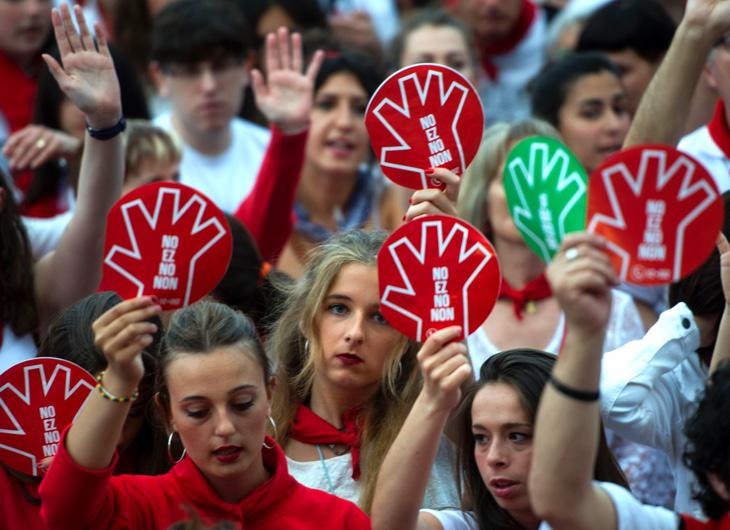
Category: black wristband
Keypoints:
(109, 132)
(574, 393)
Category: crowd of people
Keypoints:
(284, 399)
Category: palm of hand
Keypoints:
(708, 12)
(91, 82)
(288, 97)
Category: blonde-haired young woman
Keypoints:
(526, 315)
(346, 380)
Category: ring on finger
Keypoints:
(571, 254)
(40, 143)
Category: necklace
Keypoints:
(322, 461)
(338, 452)
(330, 486)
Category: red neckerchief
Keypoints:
(536, 289)
(719, 130)
(691, 523)
(510, 41)
(309, 428)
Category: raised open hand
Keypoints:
(581, 277)
(87, 76)
(285, 97)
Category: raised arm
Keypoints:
(669, 94)
(34, 145)
(567, 426)
(285, 98)
(721, 353)
(88, 79)
(406, 470)
(121, 334)
(77, 491)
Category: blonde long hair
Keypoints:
(487, 166)
(385, 413)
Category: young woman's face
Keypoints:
(503, 446)
(338, 141)
(441, 45)
(498, 215)
(24, 26)
(594, 119)
(219, 405)
(355, 339)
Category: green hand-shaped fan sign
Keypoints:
(546, 190)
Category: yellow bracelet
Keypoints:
(111, 397)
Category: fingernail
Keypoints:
(403, 218)
(410, 200)
(154, 299)
(429, 171)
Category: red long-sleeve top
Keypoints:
(19, 506)
(74, 497)
(690, 523)
(267, 212)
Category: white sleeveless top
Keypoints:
(334, 475)
(624, 326)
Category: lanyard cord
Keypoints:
(331, 488)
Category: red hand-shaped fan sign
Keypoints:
(434, 272)
(423, 116)
(38, 398)
(660, 211)
(167, 240)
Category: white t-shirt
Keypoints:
(700, 145)
(507, 98)
(623, 326)
(334, 475)
(227, 178)
(44, 233)
(15, 349)
(632, 515)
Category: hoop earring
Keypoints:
(273, 427)
(169, 450)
